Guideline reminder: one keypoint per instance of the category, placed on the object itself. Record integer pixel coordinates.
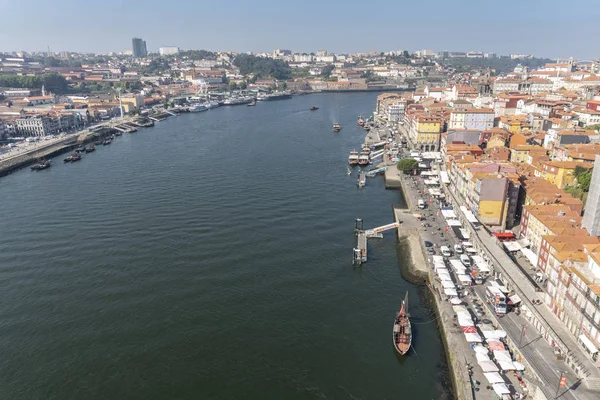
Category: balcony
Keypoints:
(590, 319)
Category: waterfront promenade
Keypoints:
(582, 376)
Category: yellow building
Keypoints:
(520, 153)
(560, 173)
(425, 132)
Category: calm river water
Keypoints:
(209, 257)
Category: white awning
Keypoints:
(493, 377)
(469, 215)
(515, 299)
(464, 278)
(518, 366)
(467, 244)
(500, 389)
(481, 264)
(506, 365)
(502, 355)
(473, 337)
(444, 177)
(588, 344)
(487, 366)
(453, 222)
(457, 266)
(480, 356)
(512, 246)
(533, 259)
(465, 233)
(455, 300)
(437, 259)
(450, 292)
(497, 334)
(448, 285)
(479, 349)
(449, 214)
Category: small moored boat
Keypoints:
(313, 108)
(90, 149)
(337, 127)
(42, 164)
(402, 334)
(353, 157)
(364, 158)
(73, 157)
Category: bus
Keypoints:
(497, 299)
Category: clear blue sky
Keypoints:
(553, 28)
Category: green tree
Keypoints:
(243, 85)
(52, 62)
(232, 86)
(262, 67)
(327, 70)
(593, 127)
(284, 86)
(584, 178)
(406, 165)
(198, 55)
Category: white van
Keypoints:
(465, 260)
(458, 249)
(445, 250)
(421, 204)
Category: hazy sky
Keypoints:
(553, 28)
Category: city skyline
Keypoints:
(338, 27)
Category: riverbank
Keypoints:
(415, 234)
(30, 153)
(455, 346)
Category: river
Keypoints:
(209, 257)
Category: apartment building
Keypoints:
(572, 272)
(472, 118)
(490, 190)
(424, 131)
(560, 173)
(36, 125)
(549, 219)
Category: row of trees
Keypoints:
(51, 81)
(262, 67)
(57, 62)
(198, 55)
(502, 64)
(156, 66)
